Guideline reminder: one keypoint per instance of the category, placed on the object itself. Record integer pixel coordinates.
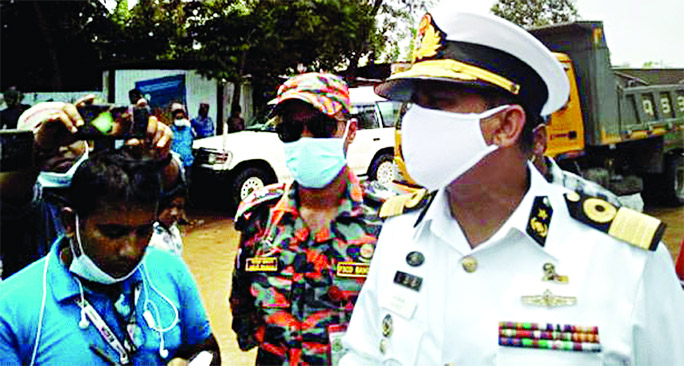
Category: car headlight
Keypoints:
(214, 157)
(222, 158)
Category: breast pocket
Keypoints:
(401, 340)
(272, 290)
(348, 278)
(511, 356)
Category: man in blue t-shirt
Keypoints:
(100, 297)
(203, 125)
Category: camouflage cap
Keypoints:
(327, 92)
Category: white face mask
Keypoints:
(62, 180)
(181, 122)
(438, 146)
(83, 266)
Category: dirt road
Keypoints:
(210, 246)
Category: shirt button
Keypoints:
(469, 264)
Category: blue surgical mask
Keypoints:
(315, 162)
(86, 268)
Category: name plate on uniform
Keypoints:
(352, 269)
(262, 264)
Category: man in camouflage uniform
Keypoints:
(306, 246)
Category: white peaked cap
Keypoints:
(484, 50)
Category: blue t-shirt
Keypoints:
(182, 143)
(63, 342)
(204, 127)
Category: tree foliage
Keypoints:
(233, 40)
(534, 13)
(397, 21)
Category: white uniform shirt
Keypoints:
(630, 294)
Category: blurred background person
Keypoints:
(183, 137)
(553, 173)
(134, 95)
(10, 115)
(167, 235)
(235, 122)
(203, 125)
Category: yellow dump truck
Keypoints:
(618, 129)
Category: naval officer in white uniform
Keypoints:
(495, 266)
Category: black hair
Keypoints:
(114, 175)
(181, 190)
(235, 110)
(134, 95)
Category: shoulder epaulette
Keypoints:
(539, 220)
(404, 203)
(269, 194)
(635, 228)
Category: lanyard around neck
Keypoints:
(124, 350)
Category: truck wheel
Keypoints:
(382, 169)
(248, 180)
(674, 180)
(666, 189)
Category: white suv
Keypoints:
(247, 160)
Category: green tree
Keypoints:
(256, 40)
(534, 13)
(396, 23)
(151, 30)
(264, 40)
(654, 64)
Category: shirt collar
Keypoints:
(62, 282)
(555, 173)
(351, 201)
(519, 219)
(439, 222)
(350, 206)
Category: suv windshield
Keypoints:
(390, 112)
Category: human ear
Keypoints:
(509, 127)
(68, 217)
(540, 136)
(351, 132)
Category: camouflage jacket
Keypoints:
(293, 290)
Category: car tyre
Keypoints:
(382, 168)
(248, 180)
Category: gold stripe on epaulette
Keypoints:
(415, 198)
(394, 206)
(634, 227)
(397, 204)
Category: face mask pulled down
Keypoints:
(438, 146)
(315, 162)
(84, 267)
(62, 180)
